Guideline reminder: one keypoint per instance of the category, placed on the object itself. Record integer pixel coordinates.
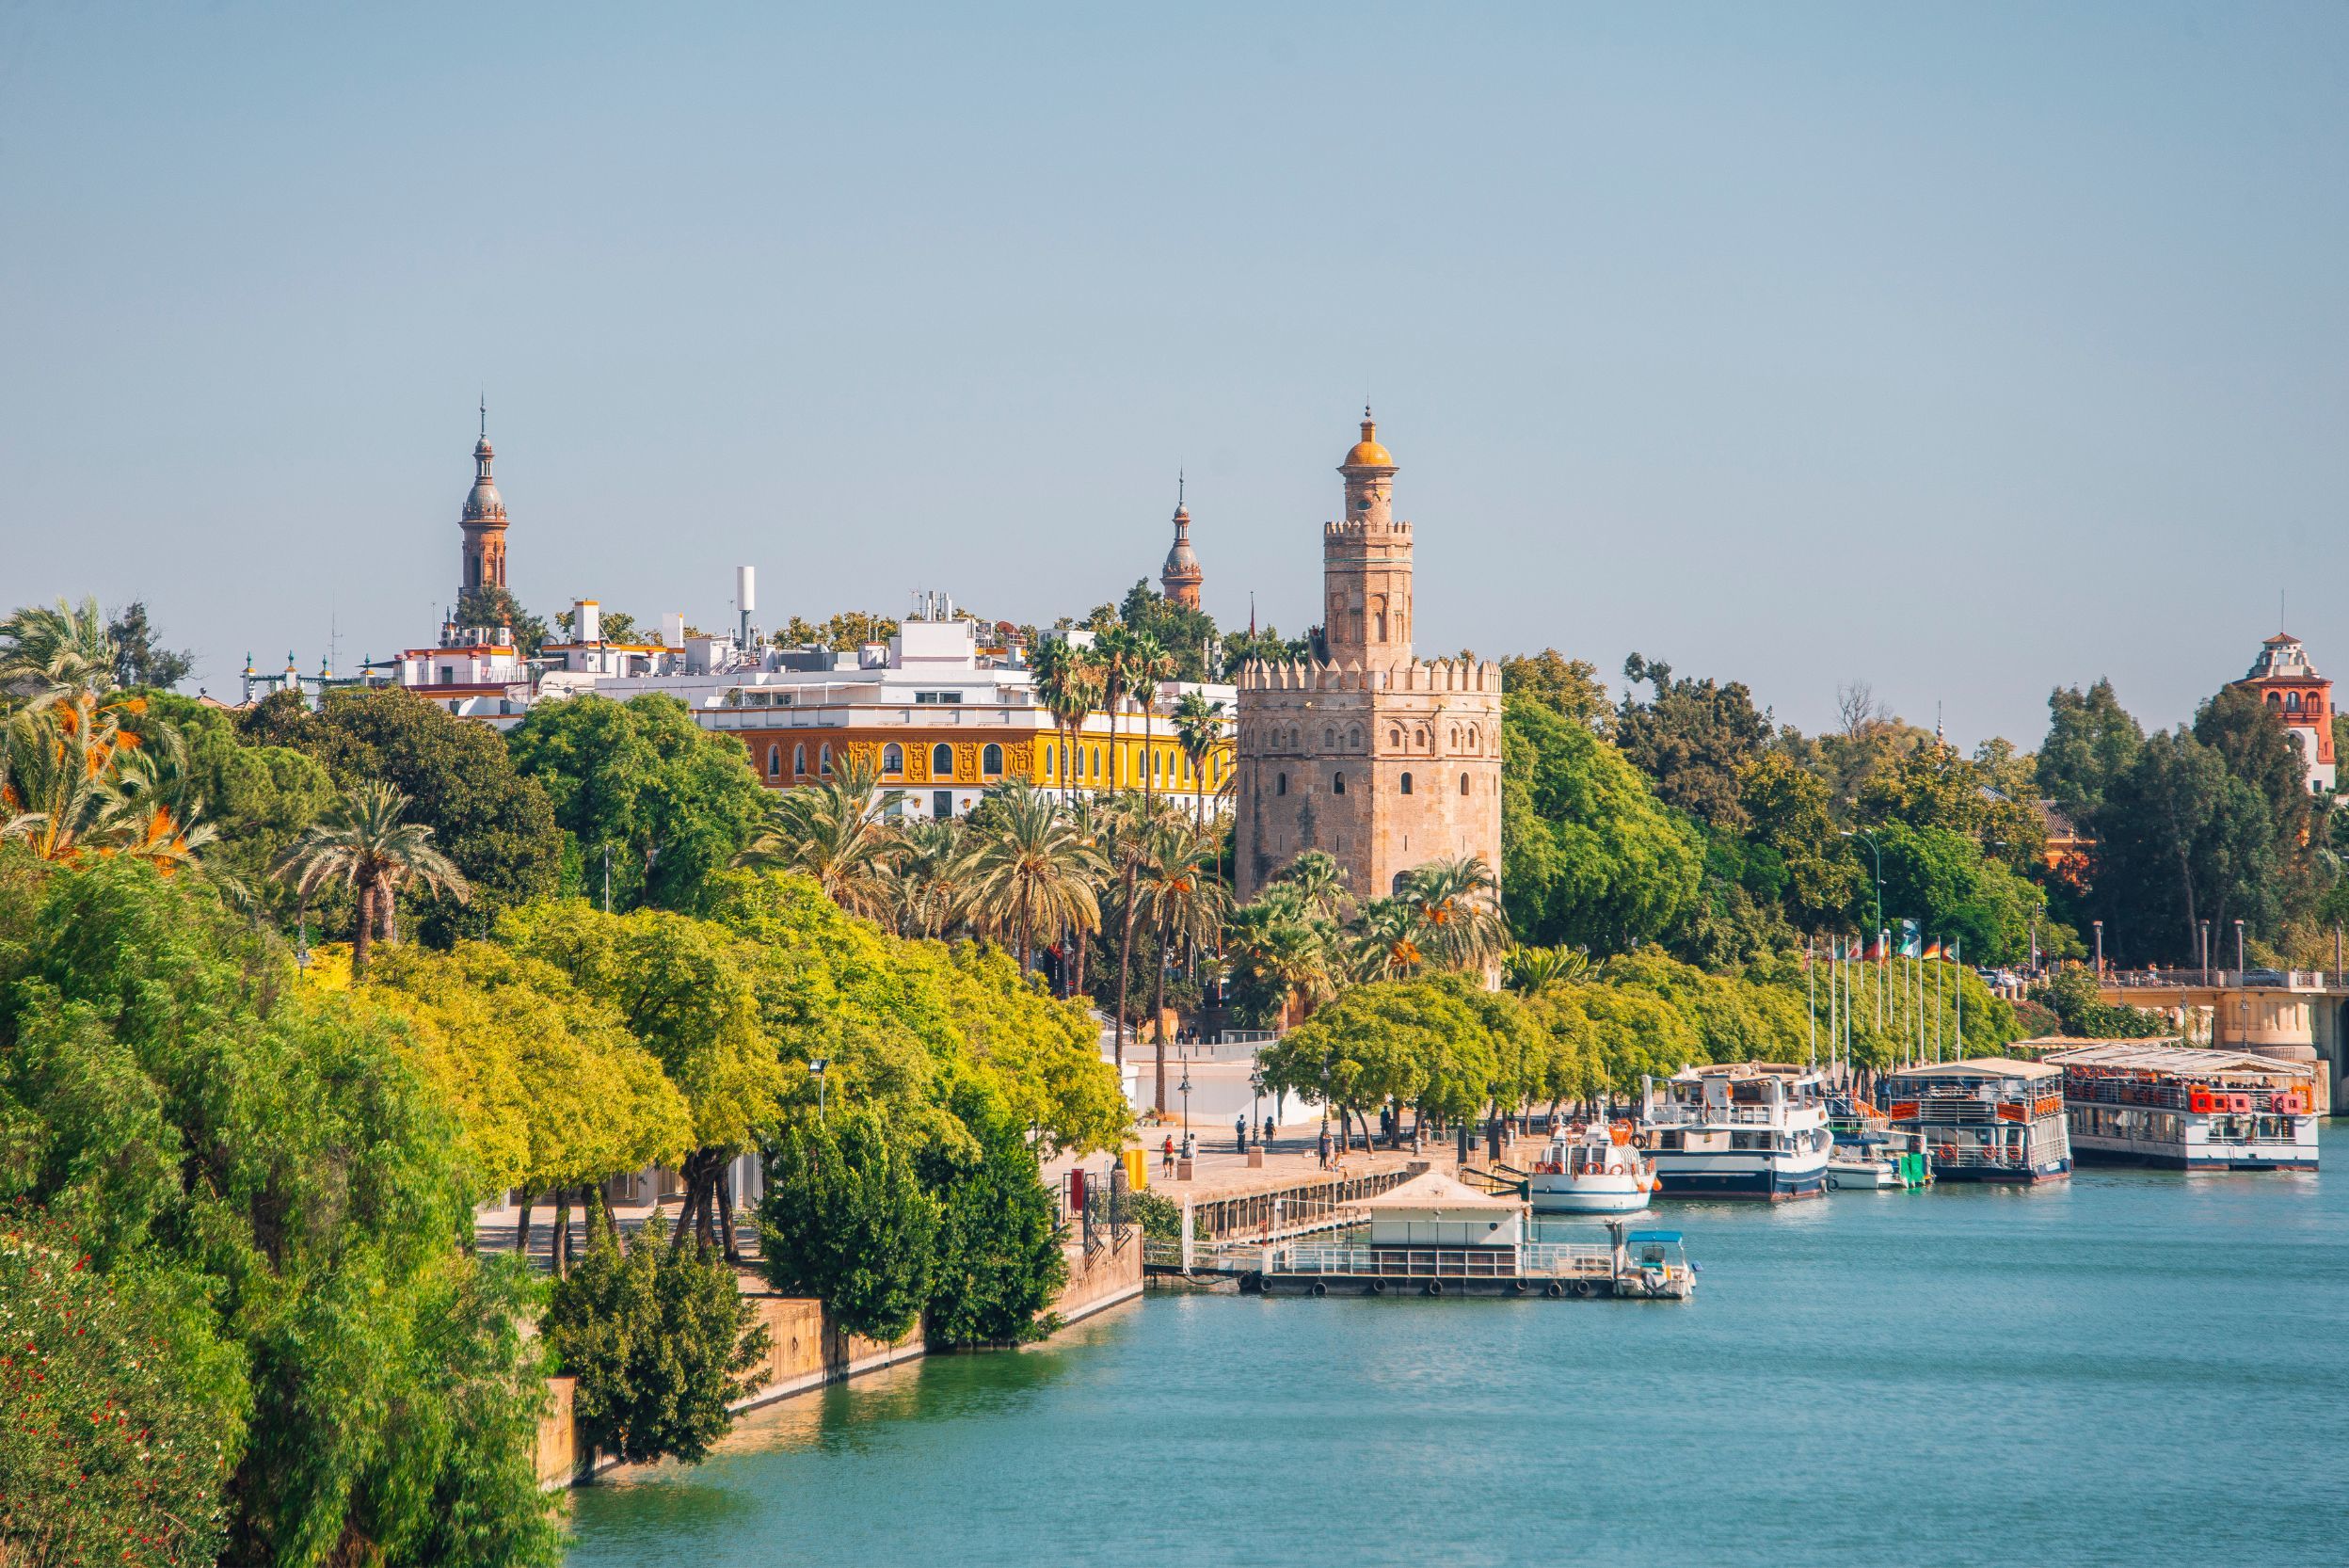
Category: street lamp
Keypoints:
(1879, 849)
(2206, 949)
(815, 1068)
(1184, 1088)
(2238, 952)
(2100, 949)
(1255, 1102)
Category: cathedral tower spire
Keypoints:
(1180, 577)
(483, 564)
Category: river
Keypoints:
(2129, 1368)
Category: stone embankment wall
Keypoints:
(806, 1350)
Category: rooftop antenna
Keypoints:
(1178, 489)
(485, 413)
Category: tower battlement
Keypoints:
(1419, 675)
(1363, 528)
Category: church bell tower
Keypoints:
(482, 565)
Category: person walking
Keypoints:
(1239, 1132)
(1166, 1160)
(1267, 1132)
(1321, 1148)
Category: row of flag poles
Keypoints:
(1883, 977)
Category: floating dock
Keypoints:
(1642, 1265)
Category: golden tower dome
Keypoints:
(1366, 452)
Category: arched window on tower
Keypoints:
(1280, 784)
(1337, 782)
(941, 760)
(1353, 740)
(2291, 702)
(1406, 785)
(991, 759)
(892, 758)
(775, 761)
(1329, 739)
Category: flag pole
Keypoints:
(1811, 988)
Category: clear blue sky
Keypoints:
(1965, 350)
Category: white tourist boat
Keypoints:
(1738, 1130)
(1591, 1170)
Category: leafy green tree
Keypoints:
(1186, 634)
(1032, 874)
(139, 661)
(1571, 688)
(672, 801)
(257, 798)
(1791, 852)
(838, 832)
(662, 1340)
(493, 606)
(495, 825)
(2180, 841)
(2249, 735)
(124, 1412)
(845, 1219)
(2072, 993)
(997, 1247)
(170, 1091)
(1693, 738)
(1942, 880)
(2091, 741)
(1590, 857)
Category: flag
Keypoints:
(1909, 945)
(1876, 953)
(1933, 947)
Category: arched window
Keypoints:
(1047, 762)
(1337, 782)
(1096, 762)
(1353, 740)
(2273, 700)
(1400, 878)
(1419, 738)
(799, 762)
(2292, 701)
(1406, 783)
(1464, 783)
(775, 761)
(823, 758)
(941, 760)
(892, 758)
(1280, 785)
(1329, 740)
(991, 759)
(1395, 738)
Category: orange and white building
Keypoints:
(2288, 684)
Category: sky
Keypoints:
(1965, 350)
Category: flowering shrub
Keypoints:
(114, 1440)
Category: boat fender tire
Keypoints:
(1638, 1140)
(1554, 1289)
(1378, 1287)
(1832, 1185)
(1318, 1289)
(1582, 1287)
(1435, 1288)
(1518, 1288)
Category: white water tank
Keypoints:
(586, 621)
(746, 590)
(673, 629)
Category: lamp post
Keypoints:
(2206, 949)
(1879, 851)
(1184, 1088)
(815, 1066)
(2239, 952)
(1255, 1102)
(2100, 949)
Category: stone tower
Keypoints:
(483, 523)
(1180, 577)
(1382, 760)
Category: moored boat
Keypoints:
(1988, 1119)
(1737, 1129)
(2188, 1109)
(1590, 1169)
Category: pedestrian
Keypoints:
(1166, 1162)
(1321, 1147)
(1239, 1133)
(1268, 1132)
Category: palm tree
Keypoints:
(1320, 882)
(836, 832)
(1068, 684)
(1459, 903)
(1032, 871)
(1114, 654)
(1176, 886)
(1387, 941)
(1534, 971)
(76, 782)
(48, 654)
(1279, 941)
(1198, 724)
(1149, 663)
(1130, 822)
(927, 875)
(364, 842)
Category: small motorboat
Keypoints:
(1590, 1169)
(1872, 1163)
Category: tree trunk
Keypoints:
(386, 910)
(1126, 965)
(363, 938)
(696, 1176)
(725, 1214)
(611, 1222)
(560, 1253)
(1157, 995)
(521, 1230)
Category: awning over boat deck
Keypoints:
(1976, 1067)
(1436, 1191)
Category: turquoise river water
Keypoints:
(2129, 1368)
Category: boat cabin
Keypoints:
(1992, 1118)
(2185, 1109)
(1436, 1210)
